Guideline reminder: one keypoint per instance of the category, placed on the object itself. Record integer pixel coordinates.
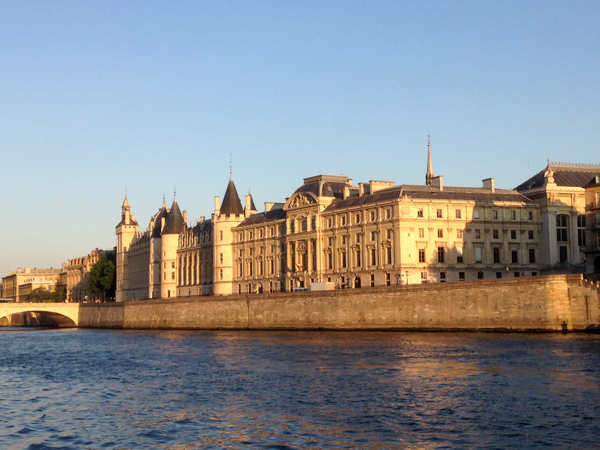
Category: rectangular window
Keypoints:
(515, 256)
(581, 230)
(459, 234)
(357, 218)
(423, 277)
(443, 277)
(459, 255)
(531, 256)
(388, 213)
(220, 235)
(529, 215)
(373, 235)
(358, 258)
(439, 214)
(457, 214)
(329, 222)
(421, 232)
(221, 258)
(513, 215)
(440, 254)
(530, 234)
(498, 274)
(494, 214)
(561, 228)
(477, 234)
(440, 233)
(260, 233)
(344, 240)
(461, 276)
(420, 212)
(389, 234)
(343, 220)
(496, 255)
(343, 259)
(220, 274)
(373, 257)
(477, 254)
(513, 234)
(495, 234)
(480, 275)
(358, 238)
(330, 241)
(475, 214)
(330, 260)
(389, 255)
(372, 216)
(421, 255)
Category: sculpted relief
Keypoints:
(301, 200)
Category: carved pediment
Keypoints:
(301, 199)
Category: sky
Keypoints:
(152, 97)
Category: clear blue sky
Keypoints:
(96, 96)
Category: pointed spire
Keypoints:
(429, 175)
(230, 167)
(164, 201)
(231, 201)
(174, 223)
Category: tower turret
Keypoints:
(126, 230)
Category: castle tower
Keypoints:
(155, 272)
(226, 216)
(429, 175)
(174, 225)
(126, 230)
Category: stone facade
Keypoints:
(78, 273)
(592, 225)
(559, 192)
(372, 234)
(18, 285)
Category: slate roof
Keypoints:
(325, 186)
(174, 223)
(157, 221)
(231, 201)
(269, 216)
(430, 193)
(573, 175)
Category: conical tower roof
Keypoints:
(156, 221)
(231, 201)
(252, 205)
(174, 223)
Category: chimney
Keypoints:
(363, 189)
(269, 206)
(489, 183)
(438, 182)
(248, 207)
(346, 192)
(185, 216)
(217, 205)
(202, 218)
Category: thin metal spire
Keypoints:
(429, 175)
(230, 166)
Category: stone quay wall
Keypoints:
(544, 303)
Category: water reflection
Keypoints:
(323, 390)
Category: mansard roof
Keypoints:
(426, 192)
(231, 201)
(325, 185)
(264, 217)
(565, 174)
(174, 223)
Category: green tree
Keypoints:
(41, 295)
(102, 277)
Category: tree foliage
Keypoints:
(43, 295)
(102, 277)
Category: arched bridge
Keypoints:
(66, 315)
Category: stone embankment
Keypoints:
(545, 303)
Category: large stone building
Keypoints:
(374, 233)
(19, 284)
(559, 193)
(78, 273)
(592, 224)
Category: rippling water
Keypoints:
(102, 389)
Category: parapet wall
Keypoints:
(545, 303)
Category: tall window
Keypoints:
(440, 233)
(515, 256)
(496, 255)
(420, 212)
(561, 227)
(513, 215)
(373, 257)
(343, 259)
(459, 234)
(457, 213)
(439, 214)
(494, 214)
(581, 231)
(421, 232)
(477, 254)
(513, 234)
(531, 256)
(421, 255)
(358, 259)
(477, 234)
(440, 255)
(459, 255)
(389, 255)
(495, 234)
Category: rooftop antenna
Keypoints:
(174, 193)
(230, 166)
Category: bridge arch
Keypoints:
(64, 315)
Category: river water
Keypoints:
(108, 389)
